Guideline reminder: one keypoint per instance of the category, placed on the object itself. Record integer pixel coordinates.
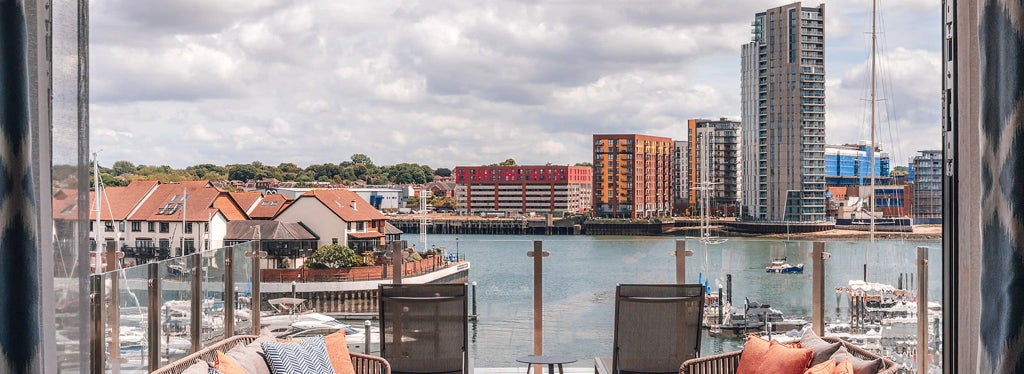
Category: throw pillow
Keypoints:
(843, 368)
(860, 365)
(214, 371)
(337, 351)
(753, 353)
(227, 365)
(265, 336)
(822, 350)
(781, 359)
(200, 367)
(823, 368)
(250, 358)
(306, 356)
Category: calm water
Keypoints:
(582, 271)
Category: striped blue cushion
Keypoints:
(307, 356)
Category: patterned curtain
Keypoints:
(1001, 47)
(19, 253)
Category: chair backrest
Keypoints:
(657, 327)
(424, 327)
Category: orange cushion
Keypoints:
(337, 351)
(823, 368)
(781, 359)
(845, 367)
(227, 365)
(753, 353)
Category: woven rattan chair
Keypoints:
(657, 327)
(423, 327)
(363, 364)
(726, 363)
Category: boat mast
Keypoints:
(99, 222)
(874, 37)
(871, 194)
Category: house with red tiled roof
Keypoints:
(246, 200)
(338, 216)
(116, 205)
(184, 217)
(269, 206)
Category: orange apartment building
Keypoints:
(632, 176)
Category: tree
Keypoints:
(361, 159)
(242, 172)
(587, 164)
(123, 167)
(443, 172)
(414, 202)
(333, 256)
(899, 170)
(508, 162)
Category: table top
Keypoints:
(550, 360)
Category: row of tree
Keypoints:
(358, 167)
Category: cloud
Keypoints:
(455, 81)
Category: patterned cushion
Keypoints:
(306, 356)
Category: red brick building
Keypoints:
(523, 189)
(632, 176)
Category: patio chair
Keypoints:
(423, 327)
(657, 328)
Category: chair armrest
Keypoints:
(724, 363)
(369, 364)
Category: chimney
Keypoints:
(354, 205)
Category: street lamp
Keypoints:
(456, 249)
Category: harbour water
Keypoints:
(581, 273)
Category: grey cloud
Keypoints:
(436, 82)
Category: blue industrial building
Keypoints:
(850, 165)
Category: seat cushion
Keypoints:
(307, 356)
(860, 365)
(825, 367)
(200, 367)
(753, 353)
(780, 359)
(227, 365)
(337, 351)
(250, 358)
(822, 350)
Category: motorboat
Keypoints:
(755, 318)
(780, 265)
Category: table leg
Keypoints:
(551, 368)
(528, 366)
(560, 369)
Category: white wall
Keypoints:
(318, 218)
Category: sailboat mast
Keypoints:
(874, 37)
(99, 221)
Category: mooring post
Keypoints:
(922, 309)
(818, 257)
(474, 299)
(538, 255)
(681, 254)
(397, 259)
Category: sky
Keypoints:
(466, 82)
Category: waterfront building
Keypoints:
(116, 204)
(268, 206)
(287, 244)
(337, 217)
(783, 105)
(719, 142)
(681, 179)
(925, 171)
(383, 198)
(246, 200)
(850, 165)
(632, 176)
(181, 218)
(523, 189)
